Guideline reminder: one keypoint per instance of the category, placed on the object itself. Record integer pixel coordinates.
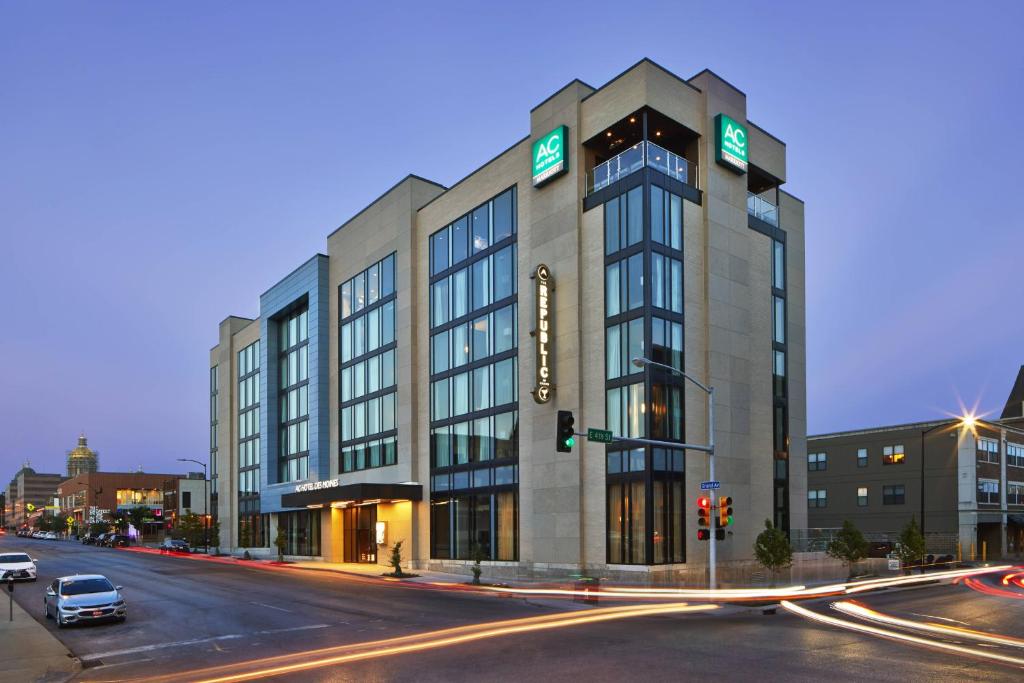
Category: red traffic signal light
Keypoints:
(703, 534)
(703, 514)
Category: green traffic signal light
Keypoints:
(570, 442)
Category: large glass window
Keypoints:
(293, 441)
(666, 218)
(368, 425)
(474, 385)
(645, 514)
(251, 524)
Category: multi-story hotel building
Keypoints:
(405, 385)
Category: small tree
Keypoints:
(479, 555)
(138, 516)
(213, 535)
(280, 542)
(396, 559)
(849, 545)
(911, 547)
(772, 549)
(97, 528)
(243, 534)
(190, 527)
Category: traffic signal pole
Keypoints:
(712, 541)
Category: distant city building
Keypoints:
(28, 494)
(962, 480)
(82, 459)
(183, 496)
(96, 496)
(3, 509)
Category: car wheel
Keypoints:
(46, 610)
(60, 622)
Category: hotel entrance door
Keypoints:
(360, 534)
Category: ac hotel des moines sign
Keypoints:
(544, 285)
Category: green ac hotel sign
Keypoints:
(731, 143)
(550, 156)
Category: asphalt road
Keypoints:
(186, 615)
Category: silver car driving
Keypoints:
(83, 597)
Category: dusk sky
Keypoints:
(162, 164)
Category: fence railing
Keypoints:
(759, 207)
(636, 157)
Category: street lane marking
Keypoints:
(303, 661)
(195, 641)
(280, 609)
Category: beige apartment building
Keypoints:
(404, 386)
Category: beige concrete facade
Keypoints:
(727, 291)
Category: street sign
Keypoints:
(599, 435)
(708, 485)
(893, 563)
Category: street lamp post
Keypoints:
(709, 449)
(206, 504)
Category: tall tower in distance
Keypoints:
(82, 459)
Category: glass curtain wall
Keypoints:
(643, 234)
(780, 385)
(368, 392)
(301, 531)
(293, 363)
(474, 434)
(252, 531)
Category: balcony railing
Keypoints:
(636, 157)
(759, 207)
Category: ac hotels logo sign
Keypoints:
(550, 156)
(731, 143)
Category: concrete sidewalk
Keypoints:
(28, 652)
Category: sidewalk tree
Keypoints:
(772, 549)
(911, 548)
(190, 528)
(849, 546)
(213, 534)
(396, 559)
(479, 555)
(243, 534)
(280, 542)
(138, 516)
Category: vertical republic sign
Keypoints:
(731, 143)
(544, 285)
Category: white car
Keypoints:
(50, 536)
(22, 566)
(37, 534)
(83, 597)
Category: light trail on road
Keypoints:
(855, 609)
(904, 637)
(748, 594)
(303, 661)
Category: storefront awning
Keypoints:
(323, 493)
(1015, 519)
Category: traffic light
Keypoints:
(566, 432)
(703, 518)
(724, 511)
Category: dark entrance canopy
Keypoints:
(352, 493)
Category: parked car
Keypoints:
(88, 539)
(50, 536)
(21, 566)
(37, 534)
(175, 545)
(116, 541)
(83, 598)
